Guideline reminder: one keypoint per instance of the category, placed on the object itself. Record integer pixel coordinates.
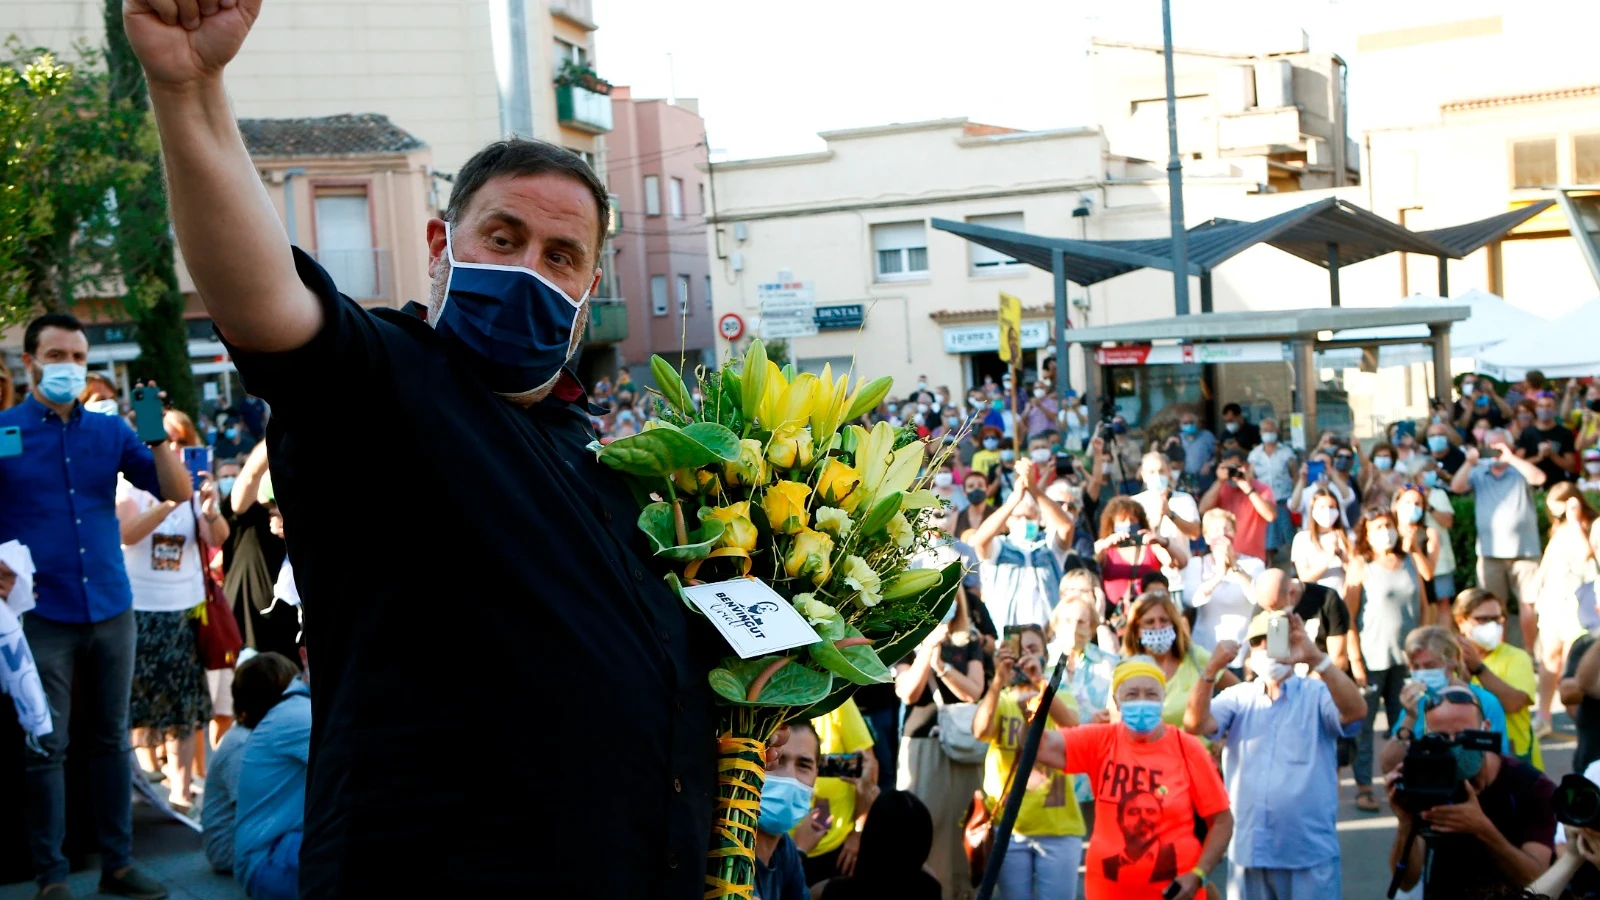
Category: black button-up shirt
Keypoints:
(506, 695)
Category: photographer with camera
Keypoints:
(1251, 502)
(1285, 839)
(1469, 817)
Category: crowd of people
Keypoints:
(1159, 571)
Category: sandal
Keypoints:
(1366, 801)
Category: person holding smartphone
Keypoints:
(1042, 859)
(161, 548)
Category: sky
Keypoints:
(770, 74)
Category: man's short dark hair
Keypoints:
(1234, 454)
(258, 686)
(1233, 408)
(522, 157)
(64, 321)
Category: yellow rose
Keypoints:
(790, 447)
(834, 521)
(859, 575)
(900, 531)
(839, 485)
(785, 505)
(751, 467)
(810, 556)
(740, 532)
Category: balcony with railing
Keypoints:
(583, 99)
(608, 321)
(362, 274)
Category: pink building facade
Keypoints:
(653, 163)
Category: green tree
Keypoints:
(58, 177)
(144, 241)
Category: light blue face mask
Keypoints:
(784, 803)
(516, 324)
(1141, 716)
(1438, 443)
(1435, 680)
(61, 383)
(1030, 532)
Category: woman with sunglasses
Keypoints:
(1384, 592)
(1499, 668)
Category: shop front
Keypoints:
(978, 346)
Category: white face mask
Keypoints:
(106, 406)
(1269, 668)
(1039, 392)
(1382, 539)
(1041, 456)
(943, 479)
(1269, 437)
(1593, 468)
(1326, 516)
(1487, 634)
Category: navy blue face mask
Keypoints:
(515, 322)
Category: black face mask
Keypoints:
(1594, 405)
(1343, 463)
(977, 496)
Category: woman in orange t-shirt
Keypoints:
(1150, 782)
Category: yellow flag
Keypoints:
(1010, 329)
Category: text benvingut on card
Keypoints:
(753, 618)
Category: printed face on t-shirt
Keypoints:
(1140, 818)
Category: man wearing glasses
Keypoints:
(1501, 833)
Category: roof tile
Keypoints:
(342, 135)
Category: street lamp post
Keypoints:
(1180, 244)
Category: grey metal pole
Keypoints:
(1180, 243)
(1058, 270)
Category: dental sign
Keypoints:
(1181, 354)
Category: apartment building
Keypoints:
(658, 256)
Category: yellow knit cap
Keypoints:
(1136, 668)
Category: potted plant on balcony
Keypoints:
(580, 75)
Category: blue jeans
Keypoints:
(101, 655)
(1041, 868)
(885, 725)
(278, 876)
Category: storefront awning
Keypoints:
(1267, 325)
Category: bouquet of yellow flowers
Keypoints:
(767, 480)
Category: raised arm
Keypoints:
(233, 244)
(1461, 481)
(1529, 471)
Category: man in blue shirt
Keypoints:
(1199, 450)
(58, 497)
(1283, 730)
(272, 799)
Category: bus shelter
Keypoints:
(1150, 370)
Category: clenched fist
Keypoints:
(185, 42)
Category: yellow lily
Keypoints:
(910, 582)
(885, 470)
(785, 506)
(740, 533)
(859, 575)
(750, 469)
(827, 412)
(810, 556)
(839, 485)
(784, 402)
(790, 447)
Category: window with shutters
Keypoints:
(1533, 163)
(901, 251)
(658, 295)
(675, 197)
(986, 261)
(344, 240)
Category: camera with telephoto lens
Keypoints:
(1429, 777)
(1577, 802)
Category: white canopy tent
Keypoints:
(1568, 347)
(1492, 322)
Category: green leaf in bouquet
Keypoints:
(670, 384)
(921, 500)
(659, 451)
(729, 398)
(793, 684)
(842, 691)
(753, 380)
(716, 438)
(671, 578)
(867, 397)
(882, 511)
(856, 663)
(656, 522)
(936, 601)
